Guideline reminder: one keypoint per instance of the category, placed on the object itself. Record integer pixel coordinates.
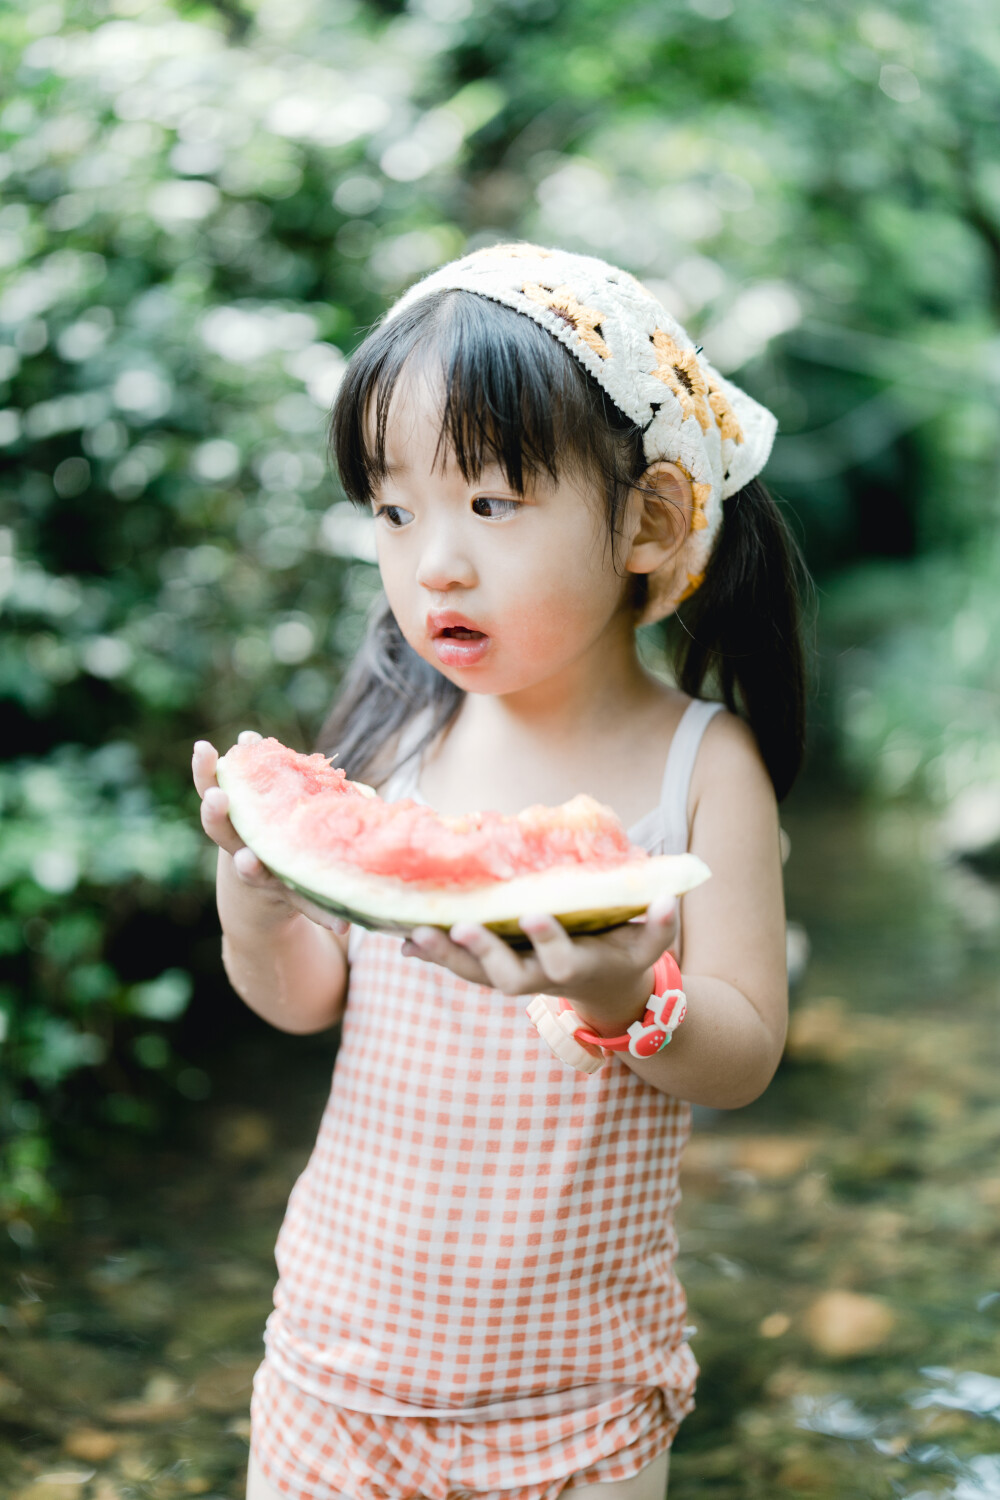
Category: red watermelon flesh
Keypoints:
(322, 813)
(280, 777)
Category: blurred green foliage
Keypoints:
(204, 206)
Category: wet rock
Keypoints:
(105, 1488)
(804, 1473)
(789, 1381)
(773, 1156)
(842, 1324)
(226, 1387)
(774, 1325)
(242, 1135)
(812, 1192)
(91, 1444)
(761, 1207)
(137, 1468)
(145, 1412)
(268, 1191)
(205, 1325)
(705, 1161)
(57, 1484)
(31, 1314)
(988, 1191)
(821, 1031)
(241, 1276)
(164, 1399)
(146, 1303)
(55, 1372)
(944, 1424)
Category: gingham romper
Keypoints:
(476, 1268)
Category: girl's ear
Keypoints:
(661, 504)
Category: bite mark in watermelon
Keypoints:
(395, 865)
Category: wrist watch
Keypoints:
(586, 1051)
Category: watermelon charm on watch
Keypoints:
(586, 1051)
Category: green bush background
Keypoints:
(205, 206)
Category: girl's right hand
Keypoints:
(257, 891)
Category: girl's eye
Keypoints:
(395, 515)
(492, 508)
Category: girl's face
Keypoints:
(498, 591)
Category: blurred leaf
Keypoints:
(162, 999)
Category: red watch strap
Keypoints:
(666, 976)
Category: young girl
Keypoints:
(476, 1289)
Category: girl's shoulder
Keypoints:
(729, 772)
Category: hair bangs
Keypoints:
(511, 395)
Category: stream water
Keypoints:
(840, 1238)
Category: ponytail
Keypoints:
(741, 631)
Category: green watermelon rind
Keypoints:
(584, 899)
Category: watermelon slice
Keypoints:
(392, 866)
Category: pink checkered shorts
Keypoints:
(307, 1449)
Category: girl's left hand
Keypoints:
(607, 978)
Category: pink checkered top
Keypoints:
(480, 1232)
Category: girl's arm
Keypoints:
(286, 959)
(292, 972)
(733, 955)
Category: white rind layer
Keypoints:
(583, 898)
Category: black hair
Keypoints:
(515, 396)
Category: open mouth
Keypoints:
(459, 633)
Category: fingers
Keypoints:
(589, 969)
(505, 970)
(214, 802)
(250, 870)
(215, 821)
(553, 947)
(204, 760)
(476, 955)
(317, 914)
(437, 947)
(252, 873)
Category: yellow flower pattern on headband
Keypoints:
(679, 369)
(700, 496)
(728, 425)
(694, 583)
(563, 302)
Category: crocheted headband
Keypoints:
(649, 366)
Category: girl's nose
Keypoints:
(444, 563)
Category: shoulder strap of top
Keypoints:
(677, 773)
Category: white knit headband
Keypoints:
(649, 366)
